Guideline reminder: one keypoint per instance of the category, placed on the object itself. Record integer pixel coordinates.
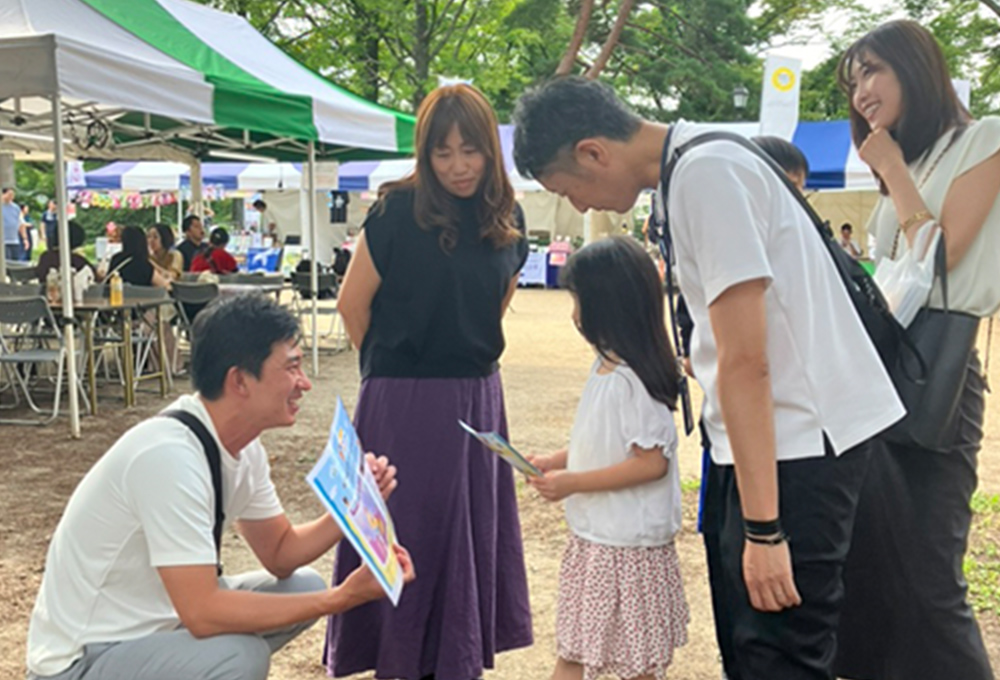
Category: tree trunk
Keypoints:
(582, 21)
(371, 77)
(609, 45)
(421, 53)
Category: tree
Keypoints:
(392, 51)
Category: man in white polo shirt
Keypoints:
(793, 387)
(131, 588)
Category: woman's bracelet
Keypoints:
(918, 217)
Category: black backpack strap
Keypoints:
(661, 234)
(900, 337)
(214, 466)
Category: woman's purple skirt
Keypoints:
(455, 510)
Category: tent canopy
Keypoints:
(833, 160)
(147, 77)
(164, 176)
(833, 164)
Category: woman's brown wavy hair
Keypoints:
(434, 207)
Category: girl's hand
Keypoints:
(554, 486)
(384, 473)
(881, 152)
(543, 463)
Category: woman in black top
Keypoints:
(133, 263)
(423, 299)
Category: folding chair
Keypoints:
(21, 274)
(326, 281)
(20, 289)
(22, 344)
(145, 334)
(190, 299)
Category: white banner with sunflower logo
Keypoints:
(779, 102)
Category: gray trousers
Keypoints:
(178, 654)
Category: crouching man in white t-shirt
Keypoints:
(793, 387)
(131, 587)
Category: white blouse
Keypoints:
(616, 412)
(973, 284)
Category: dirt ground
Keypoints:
(544, 369)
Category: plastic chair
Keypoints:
(19, 317)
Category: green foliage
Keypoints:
(393, 51)
(35, 184)
(683, 59)
(982, 563)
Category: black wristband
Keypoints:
(753, 528)
(777, 539)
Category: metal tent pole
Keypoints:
(66, 270)
(313, 263)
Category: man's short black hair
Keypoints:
(188, 221)
(787, 155)
(239, 332)
(551, 119)
(260, 205)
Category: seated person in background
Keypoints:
(788, 156)
(162, 255)
(133, 264)
(50, 258)
(847, 241)
(215, 259)
(193, 243)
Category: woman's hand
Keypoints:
(881, 152)
(554, 486)
(384, 473)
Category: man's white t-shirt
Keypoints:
(733, 220)
(147, 503)
(615, 412)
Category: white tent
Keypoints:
(168, 80)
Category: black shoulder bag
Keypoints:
(215, 468)
(945, 340)
(925, 362)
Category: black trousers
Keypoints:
(906, 616)
(818, 500)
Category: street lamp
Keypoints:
(740, 96)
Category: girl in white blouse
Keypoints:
(621, 607)
(906, 614)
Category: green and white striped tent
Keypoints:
(168, 80)
(173, 71)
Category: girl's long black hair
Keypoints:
(620, 297)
